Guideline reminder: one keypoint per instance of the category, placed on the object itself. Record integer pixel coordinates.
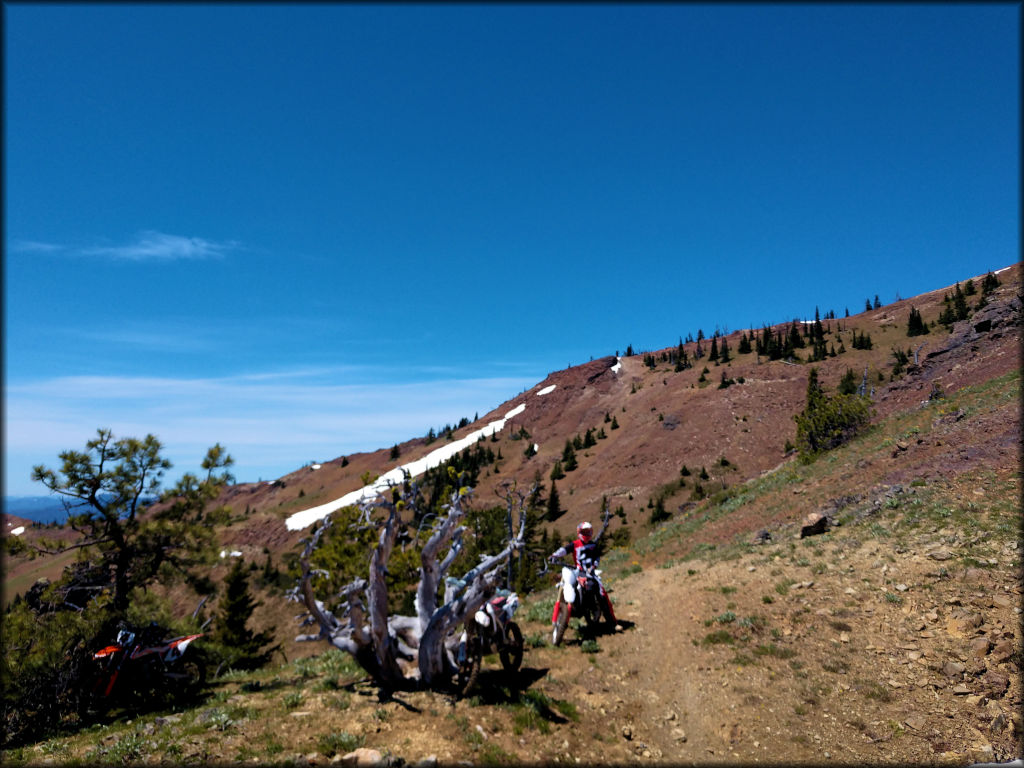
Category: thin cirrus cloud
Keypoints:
(146, 246)
(158, 246)
(271, 422)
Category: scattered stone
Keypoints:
(916, 722)
(902, 587)
(362, 757)
(961, 690)
(1002, 651)
(1002, 601)
(953, 669)
(627, 733)
(427, 762)
(998, 724)
(678, 734)
(940, 554)
(980, 647)
(814, 524)
(995, 683)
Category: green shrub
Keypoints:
(339, 743)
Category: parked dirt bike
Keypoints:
(490, 630)
(583, 601)
(141, 666)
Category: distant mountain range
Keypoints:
(40, 509)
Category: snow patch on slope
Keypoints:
(395, 476)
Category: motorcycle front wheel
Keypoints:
(469, 668)
(563, 621)
(188, 676)
(511, 653)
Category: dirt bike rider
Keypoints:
(585, 555)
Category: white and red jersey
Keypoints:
(584, 553)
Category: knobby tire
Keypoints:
(511, 653)
(563, 622)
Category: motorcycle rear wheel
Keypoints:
(511, 653)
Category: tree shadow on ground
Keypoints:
(496, 686)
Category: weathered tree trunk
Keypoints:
(378, 646)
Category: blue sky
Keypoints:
(304, 231)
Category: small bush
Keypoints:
(718, 637)
(339, 743)
(775, 651)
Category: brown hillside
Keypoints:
(895, 637)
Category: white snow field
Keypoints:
(393, 477)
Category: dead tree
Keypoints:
(402, 652)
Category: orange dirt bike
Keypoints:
(491, 629)
(141, 667)
(584, 600)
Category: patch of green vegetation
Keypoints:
(718, 637)
(339, 743)
(874, 690)
(836, 666)
(539, 610)
(775, 651)
(783, 586)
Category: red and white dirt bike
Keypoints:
(583, 601)
(491, 629)
(141, 666)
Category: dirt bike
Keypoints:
(491, 629)
(584, 600)
(141, 666)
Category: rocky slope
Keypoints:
(893, 637)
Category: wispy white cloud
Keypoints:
(147, 246)
(158, 246)
(34, 246)
(272, 422)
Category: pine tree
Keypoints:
(239, 646)
(713, 354)
(557, 473)
(827, 422)
(916, 325)
(960, 309)
(723, 354)
(553, 510)
(848, 384)
(989, 284)
(569, 457)
(744, 346)
(878, 304)
(659, 513)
